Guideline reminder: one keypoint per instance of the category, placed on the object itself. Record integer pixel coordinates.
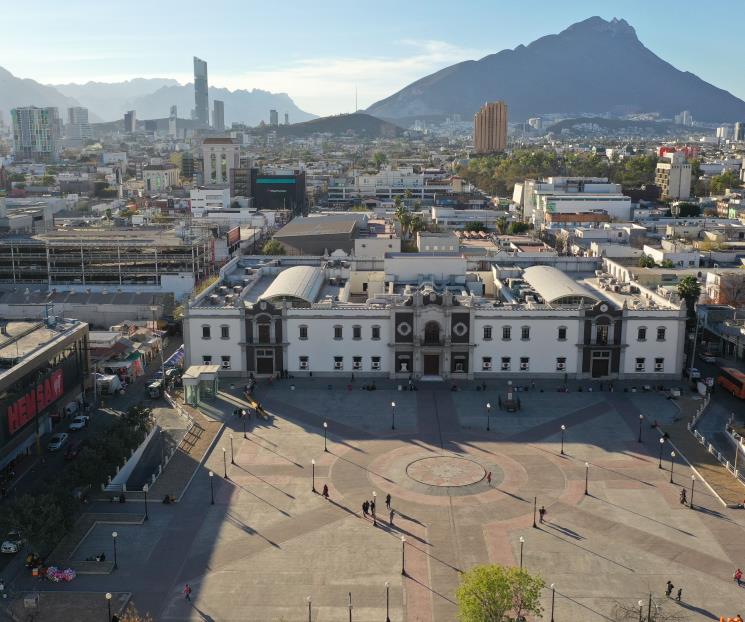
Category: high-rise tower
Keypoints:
(201, 93)
(490, 128)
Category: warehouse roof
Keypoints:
(556, 287)
(297, 284)
(317, 225)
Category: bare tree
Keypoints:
(661, 610)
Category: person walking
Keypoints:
(488, 478)
(680, 594)
(738, 576)
(187, 592)
(669, 589)
(542, 513)
(372, 507)
(388, 501)
(365, 507)
(683, 498)
(325, 491)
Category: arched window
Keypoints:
(432, 333)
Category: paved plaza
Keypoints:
(268, 541)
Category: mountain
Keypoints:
(16, 92)
(594, 66)
(108, 100)
(357, 124)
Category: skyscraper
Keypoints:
(273, 118)
(287, 119)
(201, 93)
(130, 122)
(78, 128)
(218, 115)
(490, 128)
(173, 122)
(740, 130)
(36, 133)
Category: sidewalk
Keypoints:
(729, 489)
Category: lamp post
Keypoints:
(350, 606)
(403, 556)
(641, 420)
(145, 488)
(325, 427)
(488, 416)
(662, 444)
(672, 462)
(535, 505)
(563, 429)
(374, 507)
(313, 466)
(244, 417)
(225, 463)
(553, 599)
(309, 610)
(393, 415)
(155, 309)
(113, 537)
(212, 489)
(387, 601)
(108, 605)
(522, 543)
(587, 476)
(641, 609)
(232, 453)
(693, 481)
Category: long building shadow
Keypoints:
(584, 548)
(654, 520)
(261, 479)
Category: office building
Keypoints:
(218, 115)
(287, 119)
(490, 128)
(723, 132)
(279, 192)
(684, 118)
(673, 176)
(201, 93)
(130, 122)
(187, 165)
(159, 177)
(219, 155)
(273, 118)
(739, 131)
(173, 122)
(36, 133)
(78, 128)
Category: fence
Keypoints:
(734, 438)
(699, 413)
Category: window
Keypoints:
(376, 333)
(506, 333)
(659, 364)
(561, 363)
(661, 334)
(506, 363)
(487, 333)
(206, 359)
(375, 360)
(641, 333)
(562, 333)
(338, 332)
(205, 331)
(524, 363)
(304, 363)
(338, 362)
(264, 332)
(356, 362)
(601, 336)
(525, 333)
(486, 363)
(303, 333)
(225, 360)
(640, 364)
(224, 332)
(357, 332)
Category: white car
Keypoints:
(79, 422)
(12, 543)
(57, 441)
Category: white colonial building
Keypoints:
(432, 314)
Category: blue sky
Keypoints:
(319, 51)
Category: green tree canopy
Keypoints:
(689, 290)
(516, 228)
(720, 183)
(645, 261)
(273, 247)
(474, 226)
(687, 210)
(498, 593)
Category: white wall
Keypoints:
(669, 349)
(215, 346)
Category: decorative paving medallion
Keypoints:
(445, 471)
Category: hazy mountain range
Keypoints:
(594, 66)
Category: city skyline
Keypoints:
(319, 61)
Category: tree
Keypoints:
(688, 210)
(48, 180)
(475, 226)
(501, 224)
(132, 615)
(667, 263)
(645, 261)
(273, 247)
(496, 593)
(689, 290)
(516, 228)
(720, 183)
(659, 610)
(403, 216)
(379, 158)
(732, 289)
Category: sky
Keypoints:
(320, 52)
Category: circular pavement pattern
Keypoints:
(449, 471)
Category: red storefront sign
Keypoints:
(37, 399)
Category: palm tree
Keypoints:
(403, 216)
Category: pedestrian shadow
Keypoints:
(364, 468)
(699, 610)
(202, 615)
(410, 518)
(290, 460)
(427, 587)
(237, 522)
(565, 530)
(341, 507)
(584, 548)
(654, 520)
(287, 494)
(394, 529)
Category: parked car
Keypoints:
(73, 449)
(155, 389)
(13, 542)
(707, 357)
(79, 422)
(58, 441)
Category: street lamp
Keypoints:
(313, 466)
(145, 488)
(488, 416)
(212, 489)
(225, 463)
(374, 505)
(155, 309)
(232, 453)
(672, 462)
(522, 543)
(393, 415)
(387, 601)
(662, 444)
(244, 416)
(553, 598)
(108, 604)
(693, 481)
(535, 506)
(641, 609)
(325, 427)
(309, 611)
(350, 606)
(563, 429)
(587, 475)
(113, 537)
(641, 420)
(403, 556)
